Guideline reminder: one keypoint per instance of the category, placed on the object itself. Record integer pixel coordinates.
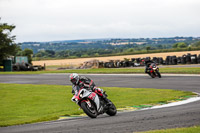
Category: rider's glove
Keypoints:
(98, 91)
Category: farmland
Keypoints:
(64, 62)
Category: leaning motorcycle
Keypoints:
(91, 103)
(154, 71)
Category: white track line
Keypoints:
(189, 100)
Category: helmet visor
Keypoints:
(73, 81)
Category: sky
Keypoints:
(53, 20)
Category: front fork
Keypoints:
(86, 101)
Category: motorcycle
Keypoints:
(154, 71)
(92, 104)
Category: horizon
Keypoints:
(198, 37)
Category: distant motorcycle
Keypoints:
(154, 71)
(91, 103)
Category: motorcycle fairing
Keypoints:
(87, 94)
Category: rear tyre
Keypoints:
(90, 111)
(112, 110)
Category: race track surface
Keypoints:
(171, 117)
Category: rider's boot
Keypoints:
(108, 102)
(103, 95)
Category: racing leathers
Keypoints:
(148, 63)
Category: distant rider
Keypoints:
(87, 83)
(147, 64)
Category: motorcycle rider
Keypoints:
(147, 64)
(87, 83)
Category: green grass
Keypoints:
(185, 70)
(194, 129)
(25, 103)
(175, 70)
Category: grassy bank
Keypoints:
(25, 103)
(174, 70)
(194, 129)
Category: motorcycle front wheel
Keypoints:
(90, 111)
(152, 75)
(158, 73)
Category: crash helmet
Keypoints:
(74, 78)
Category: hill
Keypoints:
(120, 43)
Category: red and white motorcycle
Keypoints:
(91, 103)
(154, 71)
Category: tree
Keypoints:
(7, 44)
(38, 55)
(148, 48)
(50, 53)
(175, 45)
(26, 52)
(196, 44)
(29, 53)
(179, 45)
(130, 50)
(182, 45)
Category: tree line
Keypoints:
(8, 47)
(125, 50)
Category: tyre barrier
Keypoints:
(167, 60)
(155, 59)
(183, 59)
(188, 58)
(26, 67)
(160, 60)
(170, 60)
(174, 60)
(198, 59)
(179, 60)
(194, 59)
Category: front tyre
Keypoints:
(158, 73)
(152, 75)
(90, 111)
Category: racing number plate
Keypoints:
(92, 96)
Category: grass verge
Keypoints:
(180, 70)
(25, 103)
(194, 129)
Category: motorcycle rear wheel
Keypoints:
(111, 110)
(90, 111)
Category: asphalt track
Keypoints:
(170, 117)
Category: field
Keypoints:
(65, 62)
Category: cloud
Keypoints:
(47, 20)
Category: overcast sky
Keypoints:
(50, 20)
